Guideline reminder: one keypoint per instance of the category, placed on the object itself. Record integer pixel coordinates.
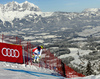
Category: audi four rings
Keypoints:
(7, 52)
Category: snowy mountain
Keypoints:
(13, 10)
(68, 31)
(92, 10)
(28, 22)
(14, 6)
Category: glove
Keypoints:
(32, 56)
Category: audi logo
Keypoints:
(7, 52)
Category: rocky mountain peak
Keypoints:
(14, 6)
(29, 6)
(92, 10)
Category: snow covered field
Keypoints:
(88, 77)
(74, 53)
(20, 71)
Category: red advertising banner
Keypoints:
(11, 53)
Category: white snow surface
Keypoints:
(74, 54)
(20, 71)
(91, 10)
(88, 77)
(8, 14)
(88, 32)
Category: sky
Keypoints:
(60, 5)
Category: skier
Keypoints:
(37, 51)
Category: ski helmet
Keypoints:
(41, 46)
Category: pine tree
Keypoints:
(89, 70)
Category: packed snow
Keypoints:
(88, 32)
(22, 71)
(74, 53)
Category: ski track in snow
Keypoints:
(22, 71)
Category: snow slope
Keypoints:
(20, 71)
(88, 77)
(11, 15)
(74, 53)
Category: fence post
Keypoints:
(49, 59)
(30, 53)
(23, 54)
(27, 53)
(45, 59)
(57, 64)
(53, 61)
(63, 68)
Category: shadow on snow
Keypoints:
(38, 74)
